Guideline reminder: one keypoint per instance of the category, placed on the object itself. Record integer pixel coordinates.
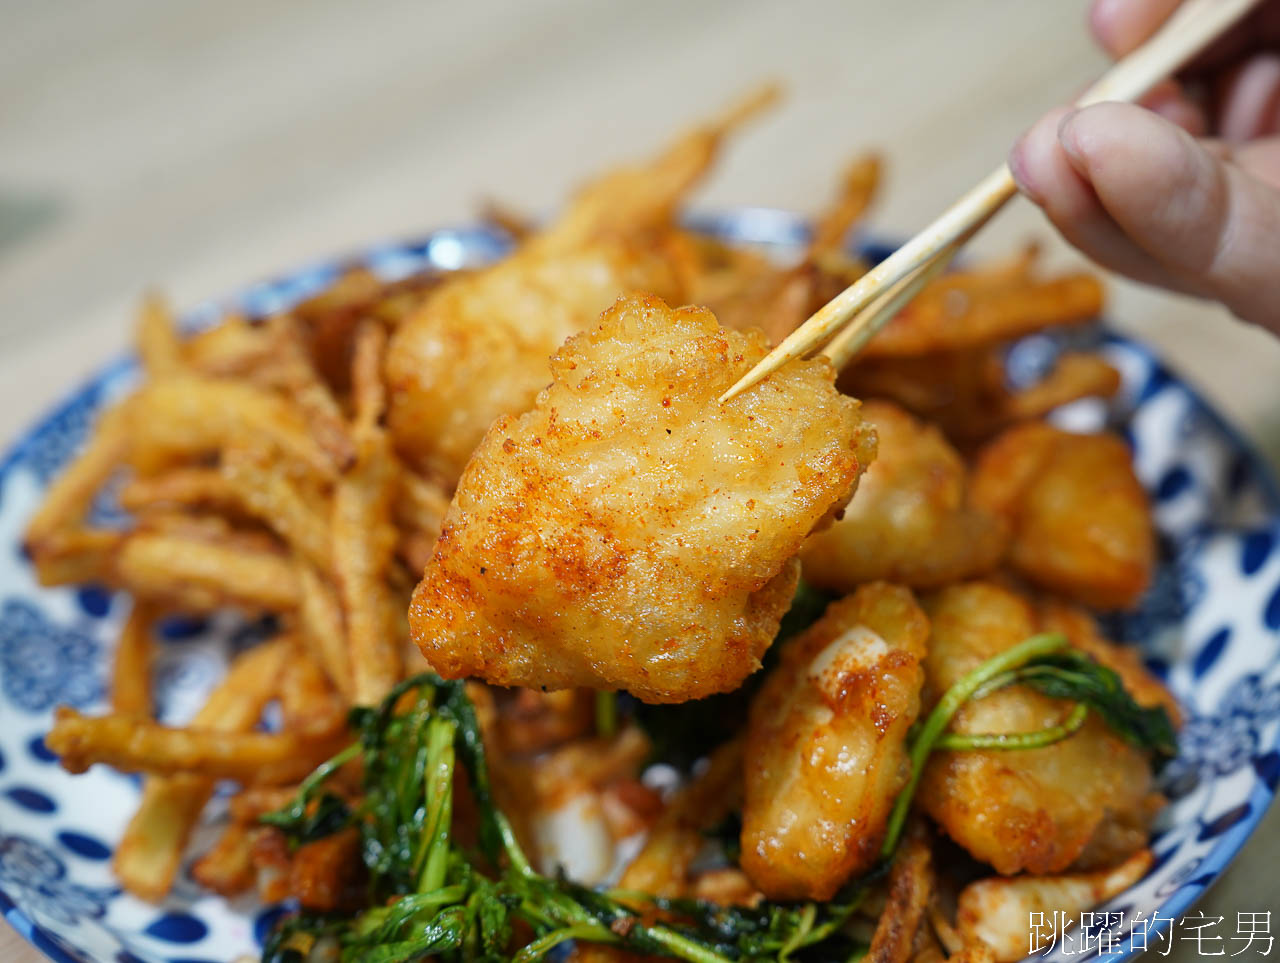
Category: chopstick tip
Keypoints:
(749, 380)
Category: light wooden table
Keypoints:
(201, 146)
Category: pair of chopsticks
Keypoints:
(851, 318)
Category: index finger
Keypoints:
(1120, 26)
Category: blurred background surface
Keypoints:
(197, 147)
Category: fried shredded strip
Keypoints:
(133, 745)
(661, 868)
(858, 188)
(182, 487)
(76, 556)
(158, 343)
(226, 868)
(291, 370)
(200, 574)
(149, 852)
(68, 499)
(911, 883)
(321, 627)
(131, 668)
(232, 348)
(983, 306)
(189, 415)
(309, 703)
(264, 488)
(363, 535)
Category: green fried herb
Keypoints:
(430, 898)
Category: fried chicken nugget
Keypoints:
(826, 744)
(912, 521)
(1080, 519)
(1088, 799)
(630, 531)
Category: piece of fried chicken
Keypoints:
(912, 521)
(826, 747)
(630, 531)
(1084, 802)
(478, 346)
(1080, 519)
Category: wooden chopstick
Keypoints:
(866, 305)
(875, 315)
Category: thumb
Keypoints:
(1212, 225)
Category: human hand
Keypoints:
(1146, 192)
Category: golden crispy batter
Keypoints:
(1080, 519)
(1037, 810)
(911, 521)
(826, 753)
(630, 531)
(478, 347)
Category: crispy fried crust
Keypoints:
(1080, 518)
(630, 531)
(478, 348)
(911, 521)
(826, 752)
(1038, 810)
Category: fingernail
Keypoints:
(1067, 137)
(1018, 168)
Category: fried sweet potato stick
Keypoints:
(157, 340)
(984, 306)
(321, 626)
(201, 574)
(911, 882)
(226, 868)
(187, 416)
(661, 868)
(291, 370)
(1075, 375)
(132, 745)
(68, 499)
(308, 701)
(76, 556)
(234, 347)
(150, 850)
(131, 667)
(363, 536)
(858, 188)
(634, 198)
(265, 489)
(181, 487)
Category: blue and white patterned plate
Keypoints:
(1210, 626)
